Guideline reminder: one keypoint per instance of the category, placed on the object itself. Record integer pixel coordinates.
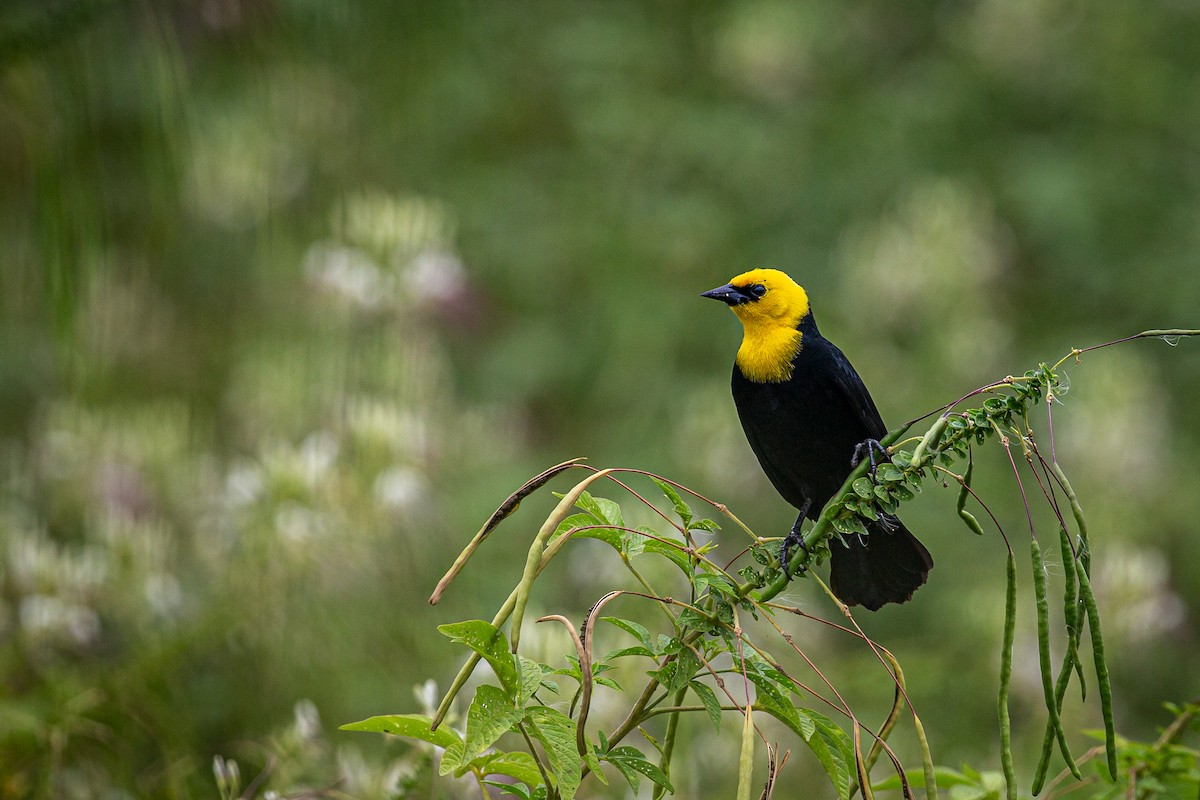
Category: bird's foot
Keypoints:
(793, 540)
(871, 446)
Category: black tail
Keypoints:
(886, 566)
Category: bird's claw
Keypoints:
(793, 540)
(871, 446)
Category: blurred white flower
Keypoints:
(435, 276)
(163, 593)
(1134, 585)
(297, 523)
(426, 695)
(244, 485)
(318, 453)
(383, 423)
(46, 616)
(400, 488)
(307, 720)
(348, 274)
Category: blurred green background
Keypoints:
(294, 292)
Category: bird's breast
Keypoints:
(766, 355)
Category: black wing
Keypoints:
(844, 376)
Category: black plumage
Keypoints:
(804, 429)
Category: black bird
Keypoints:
(807, 415)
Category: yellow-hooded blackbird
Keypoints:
(807, 414)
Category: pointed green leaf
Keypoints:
(604, 510)
(863, 487)
(681, 508)
(675, 554)
(636, 650)
(532, 674)
(414, 726)
(712, 706)
(629, 758)
(556, 732)
(771, 700)
(833, 749)
(518, 765)
(491, 716)
(451, 759)
(514, 789)
(633, 544)
(491, 643)
(574, 521)
(639, 632)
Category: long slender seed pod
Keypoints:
(1073, 612)
(746, 758)
(1083, 562)
(1060, 691)
(1006, 663)
(931, 789)
(1043, 625)
(499, 619)
(860, 765)
(534, 558)
(1076, 509)
(1093, 612)
(499, 515)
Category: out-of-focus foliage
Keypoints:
(293, 292)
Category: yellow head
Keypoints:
(770, 305)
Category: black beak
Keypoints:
(728, 294)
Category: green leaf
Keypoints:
(888, 473)
(556, 732)
(632, 763)
(532, 674)
(414, 726)
(491, 643)
(833, 749)
(518, 765)
(609, 682)
(904, 493)
(634, 544)
(770, 699)
(451, 759)
(863, 487)
(676, 555)
(491, 716)
(574, 521)
(603, 509)
(681, 508)
(593, 763)
(509, 789)
(611, 511)
(712, 706)
(848, 525)
(639, 632)
(613, 538)
(636, 650)
(712, 581)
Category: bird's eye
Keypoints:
(758, 290)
